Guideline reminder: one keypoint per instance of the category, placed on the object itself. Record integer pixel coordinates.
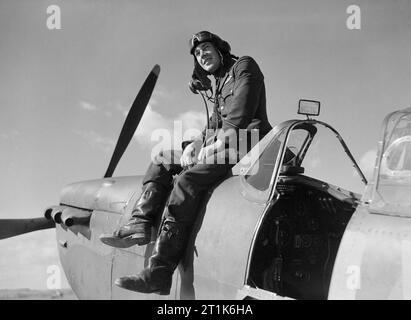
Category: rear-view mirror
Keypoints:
(309, 107)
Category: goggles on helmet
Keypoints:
(200, 37)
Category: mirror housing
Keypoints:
(309, 107)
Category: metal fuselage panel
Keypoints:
(87, 262)
(110, 195)
(374, 258)
(222, 244)
(216, 269)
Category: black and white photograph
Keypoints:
(205, 150)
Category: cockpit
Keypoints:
(313, 185)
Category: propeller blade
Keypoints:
(133, 119)
(14, 227)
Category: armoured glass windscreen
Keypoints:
(262, 170)
(295, 144)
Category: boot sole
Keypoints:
(159, 292)
(162, 293)
(126, 242)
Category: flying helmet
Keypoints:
(205, 36)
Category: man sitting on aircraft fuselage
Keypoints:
(239, 103)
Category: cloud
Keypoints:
(192, 119)
(153, 124)
(96, 140)
(367, 163)
(150, 121)
(181, 127)
(10, 135)
(105, 109)
(120, 108)
(88, 106)
(161, 94)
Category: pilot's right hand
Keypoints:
(189, 156)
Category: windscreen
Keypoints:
(393, 190)
(261, 172)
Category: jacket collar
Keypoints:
(224, 70)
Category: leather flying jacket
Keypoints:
(240, 99)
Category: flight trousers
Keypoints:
(186, 186)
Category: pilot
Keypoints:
(239, 103)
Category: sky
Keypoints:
(64, 93)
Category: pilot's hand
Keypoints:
(188, 157)
(210, 150)
(205, 152)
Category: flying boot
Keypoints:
(168, 251)
(138, 229)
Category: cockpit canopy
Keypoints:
(389, 192)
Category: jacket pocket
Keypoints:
(226, 100)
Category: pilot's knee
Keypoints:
(184, 182)
(181, 179)
(158, 158)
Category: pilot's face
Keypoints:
(207, 56)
